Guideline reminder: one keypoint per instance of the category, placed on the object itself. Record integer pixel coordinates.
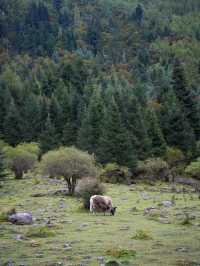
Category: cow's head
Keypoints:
(113, 210)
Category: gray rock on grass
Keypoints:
(21, 218)
(167, 203)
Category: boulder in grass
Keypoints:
(21, 218)
(167, 203)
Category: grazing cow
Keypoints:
(102, 204)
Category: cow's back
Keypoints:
(101, 203)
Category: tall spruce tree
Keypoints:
(30, 126)
(75, 107)
(56, 116)
(186, 97)
(90, 131)
(158, 144)
(176, 129)
(137, 127)
(2, 164)
(115, 144)
(48, 140)
(12, 125)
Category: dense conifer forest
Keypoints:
(120, 79)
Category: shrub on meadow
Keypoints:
(193, 169)
(22, 158)
(69, 163)
(114, 173)
(88, 187)
(153, 168)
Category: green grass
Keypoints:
(121, 253)
(80, 237)
(41, 231)
(142, 235)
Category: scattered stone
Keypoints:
(145, 196)
(82, 226)
(66, 221)
(21, 218)
(124, 199)
(59, 263)
(34, 243)
(87, 257)
(150, 210)
(167, 203)
(19, 237)
(67, 246)
(9, 263)
(163, 220)
(124, 228)
(182, 249)
(101, 261)
(39, 255)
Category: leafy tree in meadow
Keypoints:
(21, 158)
(71, 164)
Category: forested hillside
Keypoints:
(120, 79)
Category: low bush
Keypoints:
(198, 148)
(88, 187)
(114, 173)
(69, 163)
(3, 172)
(142, 235)
(5, 214)
(174, 156)
(187, 220)
(193, 169)
(121, 253)
(21, 158)
(153, 168)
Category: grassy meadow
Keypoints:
(64, 233)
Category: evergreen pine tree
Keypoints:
(56, 116)
(47, 138)
(115, 145)
(12, 125)
(175, 127)
(2, 165)
(90, 131)
(137, 127)
(73, 121)
(186, 97)
(158, 144)
(30, 126)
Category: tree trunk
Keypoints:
(18, 174)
